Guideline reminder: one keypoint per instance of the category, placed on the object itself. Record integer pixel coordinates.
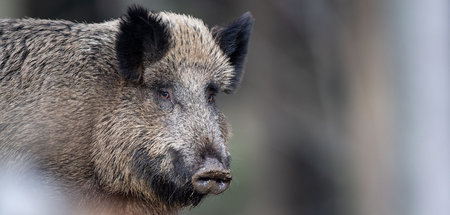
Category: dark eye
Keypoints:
(164, 94)
(211, 98)
(211, 92)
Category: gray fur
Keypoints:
(66, 111)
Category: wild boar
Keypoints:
(121, 114)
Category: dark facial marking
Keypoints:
(144, 165)
(210, 151)
(174, 194)
(175, 188)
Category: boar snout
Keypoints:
(212, 178)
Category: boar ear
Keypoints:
(233, 40)
(141, 36)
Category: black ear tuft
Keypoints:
(233, 40)
(141, 35)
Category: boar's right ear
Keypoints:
(233, 40)
(141, 36)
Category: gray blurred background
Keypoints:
(344, 108)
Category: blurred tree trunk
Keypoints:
(419, 39)
(369, 114)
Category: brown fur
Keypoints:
(66, 111)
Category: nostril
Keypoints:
(216, 180)
(211, 181)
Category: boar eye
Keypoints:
(211, 92)
(164, 98)
(164, 94)
(211, 98)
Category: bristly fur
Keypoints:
(141, 36)
(233, 40)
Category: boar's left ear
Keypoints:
(233, 40)
(141, 36)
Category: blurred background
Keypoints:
(344, 108)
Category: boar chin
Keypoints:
(175, 194)
(174, 188)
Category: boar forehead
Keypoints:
(194, 58)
